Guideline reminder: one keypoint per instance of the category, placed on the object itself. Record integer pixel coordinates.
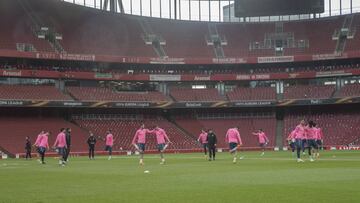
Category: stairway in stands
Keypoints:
(215, 40)
(151, 38)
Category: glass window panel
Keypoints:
(184, 7)
(165, 12)
(194, 10)
(335, 7)
(204, 5)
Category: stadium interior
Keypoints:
(94, 70)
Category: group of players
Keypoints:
(208, 140)
(62, 145)
(303, 134)
(306, 135)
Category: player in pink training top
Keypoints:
(109, 142)
(202, 140)
(311, 133)
(42, 144)
(37, 141)
(60, 145)
(234, 140)
(319, 140)
(162, 141)
(299, 135)
(263, 140)
(139, 141)
(291, 141)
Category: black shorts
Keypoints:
(319, 142)
(292, 145)
(141, 146)
(232, 145)
(61, 150)
(108, 148)
(159, 146)
(262, 144)
(41, 150)
(312, 143)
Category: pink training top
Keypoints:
(262, 137)
(160, 136)
(291, 135)
(60, 140)
(233, 136)
(109, 140)
(140, 136)
(202, 138)
(43, 141)
(300, 132)
(37, 142)
(319, 134)
(311, 133)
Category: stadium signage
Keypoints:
(103, 75)
(43, 55)
(253, 77)
(11, 103)
(77, 57)
(293, 75)
(202, 78)
(253, 103)
(192, 104)
(132, 104)
(73, 103)
(228, 60)
(276, 59)
(349, 147)
(329, 56)
(242, 77)
(332, 73)
(12, 73)
(167, 60)
(165, 77)
(315, 101)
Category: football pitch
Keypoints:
(275, 177)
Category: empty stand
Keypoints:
(16, 28)
(248, 94)
(338, 128)
(309, 91)
(106, 94)
(349, 90)
(124, 131)
(205, 95)
(15, 129)
(32, 92)
(86, 31)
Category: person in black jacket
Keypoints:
(212, 140)
(28, 148)
(91, 142)
(68, 143)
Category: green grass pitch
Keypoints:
(275, 177)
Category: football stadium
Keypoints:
(179, 101)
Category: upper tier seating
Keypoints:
(32, 92)
(309, 91)
(86, 31)
(349, 90)
(249, 94)
(205, 95)
(106, 94)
